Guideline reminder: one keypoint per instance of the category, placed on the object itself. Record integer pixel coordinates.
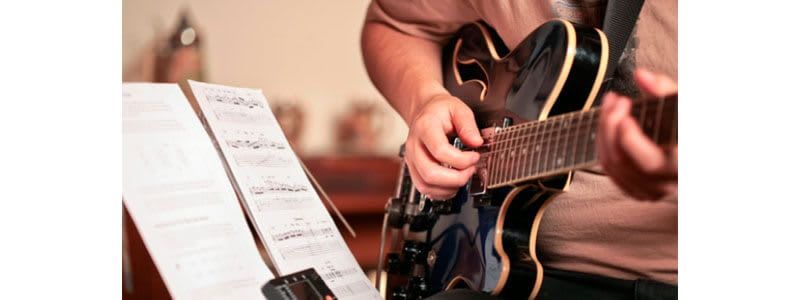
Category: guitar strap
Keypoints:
(620, 18)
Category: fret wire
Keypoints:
(510, 161)
(521, 152)
(536, 133)
(496, 159)
(551, 131)
(531, 140)
(501, 162)
(570, 158)
(660, 110)
(577, 140)
(650, 109)
(565, 150)
(589, 138)
(491, 157)
(552, 163)
(573, 114)
(527, 149)
(547, 148)
(642, 114)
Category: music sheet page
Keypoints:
(289, 216)
(179, 196)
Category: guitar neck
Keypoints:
(559, 144)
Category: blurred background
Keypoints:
(306, 57)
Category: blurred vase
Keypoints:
(180, 56)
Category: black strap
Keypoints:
(621, 16)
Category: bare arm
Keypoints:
(406, 70)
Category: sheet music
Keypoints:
(179, 196)
(289, 216)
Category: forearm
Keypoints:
(405, 69)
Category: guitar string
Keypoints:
(550, 131)
(555, 119)
(559, 144)
(538, 124)
(511, 163)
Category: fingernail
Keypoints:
(645, 75)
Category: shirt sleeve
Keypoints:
(435, 20)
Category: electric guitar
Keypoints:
(534, 105)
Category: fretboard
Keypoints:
(565, 142)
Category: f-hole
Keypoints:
(472, 71)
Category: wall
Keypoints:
(301, 48)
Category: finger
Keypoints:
(608, 102)
(465, 126)
(655, 85)
(617, 111)
(435, 140)
(644, 155)
(433, 192)
(434, 173)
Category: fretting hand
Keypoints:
(635, 163)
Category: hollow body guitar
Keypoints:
(485, 237)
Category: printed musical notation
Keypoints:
(301, 238)
(310, 249)
(255, 144)
(226, 96)
(293, 225)
(331, 273)
(303, 233)
(260, 160)
(271, 187)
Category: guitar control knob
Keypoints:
(396, 215)
(421, 222)
(416, 252)
(395, 265)
(400, 293)
(418, 287)
(444, 207)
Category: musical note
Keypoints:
(261, 143)
(270, 187)
(310, 249)
(226, 96)
(303, 233)
(331, 273)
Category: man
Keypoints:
(600, 226)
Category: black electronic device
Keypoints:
(302, 285)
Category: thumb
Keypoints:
(465, 126)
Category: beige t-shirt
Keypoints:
(594, 227)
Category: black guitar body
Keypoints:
(484, 239)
